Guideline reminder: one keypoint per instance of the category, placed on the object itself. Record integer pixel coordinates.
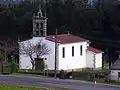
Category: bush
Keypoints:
(42, 65)
(39, 64)
(13, 67)
(9, 67)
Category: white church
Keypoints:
(72, 52)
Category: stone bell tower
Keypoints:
(39, 24)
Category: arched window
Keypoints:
(41, 26)
(37, 25)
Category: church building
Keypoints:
(69, 51)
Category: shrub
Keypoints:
(9, 67)
(39, 64)
(42, 64)
(13, 67)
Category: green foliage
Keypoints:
(4, 68)
(9, 67)
(42, 64)
(13, 67)
(76, 16)
(94, 71)
(99, 23)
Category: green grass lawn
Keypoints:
(17, 87)
(32, 75)
(24, 87)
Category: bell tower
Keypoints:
(39, 24)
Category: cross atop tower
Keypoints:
(39, 13)
(39, 24)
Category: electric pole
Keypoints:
(94, 61)
(55, 74)
(5, 51)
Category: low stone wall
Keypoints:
(87, 76)
(73, 74)
(45, 73)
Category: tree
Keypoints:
(34, 50)
(98, 22)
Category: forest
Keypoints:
(98, 21)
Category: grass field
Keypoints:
(19, 87)
(32, 75)
(25, 87)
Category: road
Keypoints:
(49, 82)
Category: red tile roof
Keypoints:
(94, 50)
(65, 38)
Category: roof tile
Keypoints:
(94, 50)
(65, 38)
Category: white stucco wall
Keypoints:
(69, 62)
(99, 60)
(51, 57)
(25, 62)
(114, 74)
(75, 62)
(90, 60)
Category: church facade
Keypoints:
(69, 51)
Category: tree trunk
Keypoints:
(32, 62)
(110, 57)
(33, 66)
(103, 59)
(109, 62)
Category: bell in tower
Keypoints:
(39, 24)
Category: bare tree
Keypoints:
(41, 49)
(7, 47)
(34, 50)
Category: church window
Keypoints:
(72, 50)
(41, 28)
(37, 32)
(81, 49)
(63, 52)
(37, 25)
(39, 14)
(41, 32)
(41, 25)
